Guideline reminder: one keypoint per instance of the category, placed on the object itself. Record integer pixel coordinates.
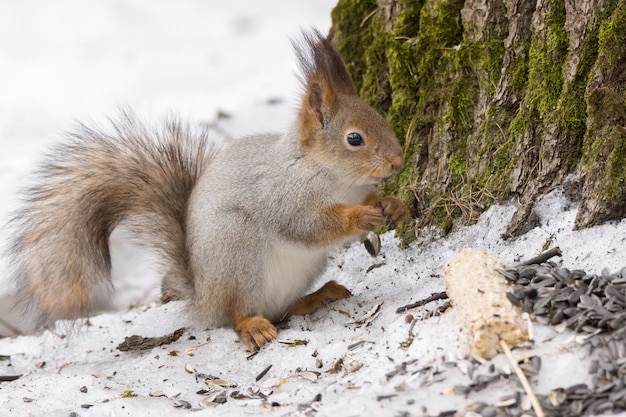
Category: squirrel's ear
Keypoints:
(324, 75)
(315, 100)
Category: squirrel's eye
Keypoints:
(354, 139)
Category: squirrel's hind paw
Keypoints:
(331, 291)
(255, 332)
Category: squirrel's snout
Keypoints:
(396, 162)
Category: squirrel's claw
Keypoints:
(331, 291)
(371, 217)
(394, 211)
(255, 332)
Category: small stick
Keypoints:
(433, 297)
(543, 257)
(136, 342)
(523, 380)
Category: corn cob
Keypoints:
(478, 292)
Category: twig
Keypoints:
(543, 257)
(522, 377)
(433, 297)
(143, 343)
(369, 15)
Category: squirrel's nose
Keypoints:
(397, 161)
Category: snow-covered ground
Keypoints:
(68, 60)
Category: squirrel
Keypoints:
(241, 232)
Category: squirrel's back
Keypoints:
(82, 190)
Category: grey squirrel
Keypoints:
(242, 232)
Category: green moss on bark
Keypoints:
(612, 41)
(423, 48)
(605, 143)
(376, 88)
(615, 177)
(546, 58)
(351, 34)
(481, 113)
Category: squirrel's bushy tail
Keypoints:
(88, 185)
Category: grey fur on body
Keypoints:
(257, 203)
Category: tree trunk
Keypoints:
(496, 99)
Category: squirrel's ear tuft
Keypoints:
(319, 60)
(324, 76)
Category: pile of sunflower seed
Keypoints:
(594, 306)
(590, 304)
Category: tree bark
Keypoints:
(496, 100)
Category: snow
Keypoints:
(74, 60)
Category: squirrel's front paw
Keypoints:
(394, 211)
(254, 332)
(371, 217)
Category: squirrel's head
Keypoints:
(335, 126)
